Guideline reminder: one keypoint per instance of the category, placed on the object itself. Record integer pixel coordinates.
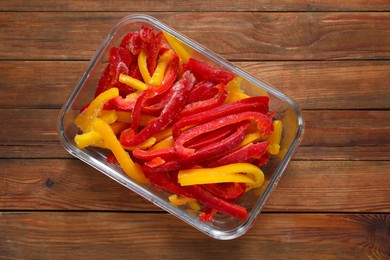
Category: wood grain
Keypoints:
(313, 85)
(32, 133)
(235, 35)
(202, 6)
(307, 186)
(331, 57)
(61, 235)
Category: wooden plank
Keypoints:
(20, 87)
(41, 150)
(62, 235)
(234, 35)
(199, 6)
(338, 128)
(329, 84)
(329, 134)
(313, 85)
(334, 153)
(48, 184)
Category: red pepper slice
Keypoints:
(162, 93)
(207, 215)
(134, 72)
(181, 89)
(119, 54)
(263, 160)
(105, 81)
(120, 59)
(264, 125)
(229, 191)
(165, 153)
(210, 138)
(153, 51)
(204, 105)
(137, 109)
(207, 198)
(207, 72)
(245, 154)
(155, 162)
(133, 42)
(199, 90)
(120, 103)
(259, 104)
(146, 34)
(169, 76)
(191, 156)
(162, 178)
(155, 105)
(111, 158)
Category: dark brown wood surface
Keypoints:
(333, 202)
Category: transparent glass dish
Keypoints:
(222, 227)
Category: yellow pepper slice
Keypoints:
(143, 65)
(234, 90)
(134, 95)
(163, 134)
(88, 139)
(126, 117)
(132, 82)
(162, 65)
(119, 126)
(275, 138)
(85, 119)
(165, 143)
(250, 138)
(177, 200)
(132, 169)
(181, 51)
(109, 116)
(236, 172)
(145, 145)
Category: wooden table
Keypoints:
(333, 201)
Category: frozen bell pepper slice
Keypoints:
(170, 75)
(162, 66)
(207, 198)
(199, 91)
(192, 156)
(237, 172)
(153, 51)
(178, 200)
(229, 191)
(275, 138)
(182, 51)
(207, 72)
(133, 42)
(132, 169)
(245, 154)
(165, 153)
(259, 104)
(182, 89)
(206, 105)
(85, 119)
(143, 65)
(90, 138)
(207, 215)
(161, 178)
(264, 126)
(132, 82)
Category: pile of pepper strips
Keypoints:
(180, 124)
